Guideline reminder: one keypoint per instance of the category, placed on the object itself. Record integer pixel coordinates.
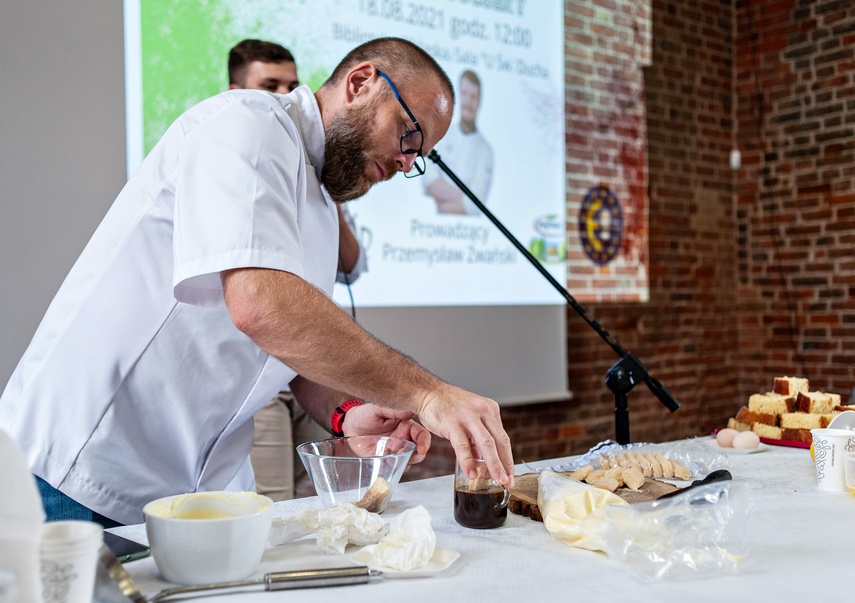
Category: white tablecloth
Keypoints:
(800, 548)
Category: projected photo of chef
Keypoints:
(465, 150)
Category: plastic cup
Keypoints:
(849, 471)
(69, 560)
(830, 447)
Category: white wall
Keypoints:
(62, 154)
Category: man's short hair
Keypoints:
(400, 59)
(247, 51)
(472, 77)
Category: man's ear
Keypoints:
(359, 80)
(234, 87)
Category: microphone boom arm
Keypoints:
(621, 377)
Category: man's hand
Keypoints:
(370, 419)
(473, 426)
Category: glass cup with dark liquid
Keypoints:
(479, 502)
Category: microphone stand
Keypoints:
(627, 371)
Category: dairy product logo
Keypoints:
(549, 242)
(549, 226)
(601, 225)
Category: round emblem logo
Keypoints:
(600, 225)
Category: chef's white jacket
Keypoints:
(136, 384)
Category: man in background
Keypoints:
(260, 65)
(467, 153)
(283, 423)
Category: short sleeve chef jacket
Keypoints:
(136, 384)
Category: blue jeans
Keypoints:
(58, 507)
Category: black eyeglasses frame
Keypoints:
(419, 162)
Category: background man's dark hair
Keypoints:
(472, 77)
(400, 59)
(247, 51)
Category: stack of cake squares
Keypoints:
(788, 412)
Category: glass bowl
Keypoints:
(361, 470)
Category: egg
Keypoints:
(725, 437)
(746, 440)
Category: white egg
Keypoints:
(746, 440)
(725, 437)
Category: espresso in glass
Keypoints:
(479, 502)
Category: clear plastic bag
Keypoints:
(701, 532)
(699, 458)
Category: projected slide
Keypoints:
(425, 244)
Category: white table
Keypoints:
(800, 548)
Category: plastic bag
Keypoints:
(700, 532)
(573, 512)
(699, 458)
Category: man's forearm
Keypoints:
(318, 400)
(293, 321)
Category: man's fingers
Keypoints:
(423, 440)
(421, 437)
(502, 445)
(480, 443)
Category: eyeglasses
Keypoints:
(412, 141)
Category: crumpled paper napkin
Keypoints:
(574, 512)
(409, 544)
(335, 528)
(21, 519)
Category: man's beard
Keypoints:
(345, 156)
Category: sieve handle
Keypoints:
(340, 576)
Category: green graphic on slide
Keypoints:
(185, 46)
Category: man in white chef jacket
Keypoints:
(206, 288)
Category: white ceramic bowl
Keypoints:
(208, 537)
(343, 469)
(845, 420)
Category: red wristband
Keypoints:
(337, 419)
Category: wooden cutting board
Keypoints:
(523, 499)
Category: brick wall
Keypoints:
(796, 193)
(606, 47)
(752, 273)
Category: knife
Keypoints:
(719, 475)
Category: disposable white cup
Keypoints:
(829, 447)
(69, 560)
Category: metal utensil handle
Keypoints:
(340, 576)
(219, 586)
(279, 581)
